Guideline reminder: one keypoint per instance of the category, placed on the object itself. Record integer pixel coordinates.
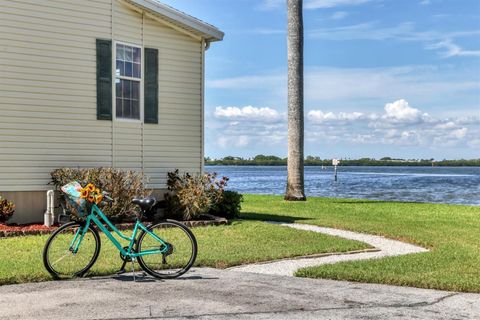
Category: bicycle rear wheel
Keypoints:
(59, 258)
(180, 250)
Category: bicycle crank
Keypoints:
(125, 260)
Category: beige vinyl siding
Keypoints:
(48, 94)
(48, 90)
(127, 143)
(176, 141)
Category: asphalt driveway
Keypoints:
(219, 294)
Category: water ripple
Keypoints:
(458, 185)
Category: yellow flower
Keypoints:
(91, 198)
(90, 187)
(97, 191)
(84, 193)
(99, 198)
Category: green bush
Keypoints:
(122, 186)
(7, 208)
(229, 205)
(192, 195)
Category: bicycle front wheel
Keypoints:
(179, 249)
(59, 256)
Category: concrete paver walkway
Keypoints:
(221, 294)
(386, 248)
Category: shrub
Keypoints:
(122, 186)
(192, 195)
(7, 209)
(229, 205)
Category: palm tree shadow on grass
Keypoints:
(269, 217)
(375, 201)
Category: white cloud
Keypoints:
(452, 49)
(332, 84)
(271, 4)
(323, 85)
(310, 4)
(322, 4)
(233, 141)
(367, 31)
(425, 2)
(268, 31)
(247, 113)
(397, 112)
(399, 124)
(253, 81)
(446, 125)
(339, 15)
(401, 112)
(406, 31)
(459, 133)
(318, 116)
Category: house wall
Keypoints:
(48, 97)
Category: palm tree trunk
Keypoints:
(295, 179)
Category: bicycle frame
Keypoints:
(92, 217)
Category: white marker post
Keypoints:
(335, 163)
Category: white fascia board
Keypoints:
(209, 32)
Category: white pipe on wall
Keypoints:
(49, 216)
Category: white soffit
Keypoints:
(180, 19)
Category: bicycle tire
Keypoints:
(67, 231)
(176, 234)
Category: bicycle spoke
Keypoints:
(63, 257)
(178, 248)
(58, 257)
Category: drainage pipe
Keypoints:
(49, 216)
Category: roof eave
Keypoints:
(209, 32)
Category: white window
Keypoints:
(128, 79)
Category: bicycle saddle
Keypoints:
(145, 203)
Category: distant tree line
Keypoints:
(263, 160)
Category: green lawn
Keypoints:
(222, 246)
(451, 232)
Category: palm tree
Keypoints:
(295, 180)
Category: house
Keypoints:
(98, 83)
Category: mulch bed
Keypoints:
(24, 230)
(39, 229)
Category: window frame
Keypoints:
(115, 77)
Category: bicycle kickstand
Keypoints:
(133, 269)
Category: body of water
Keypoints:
(460, 185)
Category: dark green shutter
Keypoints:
(104, 79)
(151, 86)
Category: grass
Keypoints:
(451, 232)
(221, 247)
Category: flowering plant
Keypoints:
(7, 209)
(91, 193)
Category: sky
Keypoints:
(397, 78)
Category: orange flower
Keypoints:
(90, 187)
(91, 198)
(84, 193)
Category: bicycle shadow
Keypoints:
(142, 277)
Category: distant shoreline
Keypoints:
(270, 160)
(347, 164)
(344, 165)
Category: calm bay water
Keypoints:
(460, 185)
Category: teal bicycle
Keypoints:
(164, 250)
